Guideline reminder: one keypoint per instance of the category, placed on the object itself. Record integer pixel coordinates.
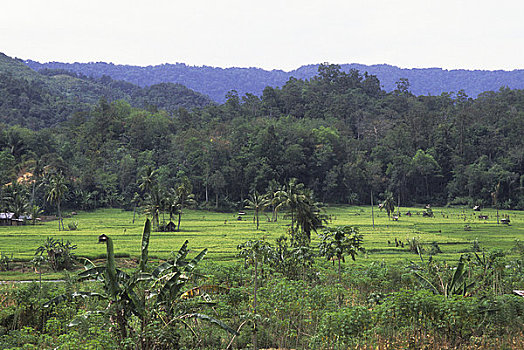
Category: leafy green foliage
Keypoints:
(337, 133)
(44, 99)
(147, 296)
(59, 255)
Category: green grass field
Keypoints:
(221, 233)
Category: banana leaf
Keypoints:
(66, 297)
(145, 246)
(423, 280)
(193, 263)
(78, 320)
(162, 268)
(98, 271)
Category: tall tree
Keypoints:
(337, 242)
(289, 197)
(183, 197)
(388, 204)
(255, 253)
(258, 203)
(56, 191)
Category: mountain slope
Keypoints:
(43, 99)
(216, 82)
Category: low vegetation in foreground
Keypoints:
(417, 281)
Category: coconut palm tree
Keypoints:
(148, 180)
(19, 204)
(37, 171)
(308, 218)
(258, 203)
(305, 212)
(184, 198)
(289, 197)
(56, 191)
(271, 194)
(153, 204)
(388, 204)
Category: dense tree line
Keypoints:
(338, 133)
(216, 82)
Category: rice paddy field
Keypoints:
(222, 232)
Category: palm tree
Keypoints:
(35, 211)
(258, 203)
(153, 204)
(18, 205)
(271, 194)
(305, 213)
(136, 202)
(308, 218)
(495, 198)
(148, 181)
(388, 204)
(183, 197)
(56, 191)
(289, 197)
(37, 170)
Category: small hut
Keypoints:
(9, 219)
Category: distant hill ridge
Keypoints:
(216, 82)
(49, 96)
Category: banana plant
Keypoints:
(142, 294)
(456, 285)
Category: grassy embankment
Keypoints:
(222, 232)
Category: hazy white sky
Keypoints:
(270, 34)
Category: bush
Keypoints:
(343, 327)
(59, 254)
(5, 260)
(73, 226)
(455, 318)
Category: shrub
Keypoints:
(343, 327)
(59, 254)
(73, 226)
(5, 260)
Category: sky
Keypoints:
(269, 34)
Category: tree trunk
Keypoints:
(179, 218)
(339, 282)
(33, 194)
(255, 343)
(427, 186)
(372, 213)
(59, 216)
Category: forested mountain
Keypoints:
(216, 82)
(338, 133)
(46, 98)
